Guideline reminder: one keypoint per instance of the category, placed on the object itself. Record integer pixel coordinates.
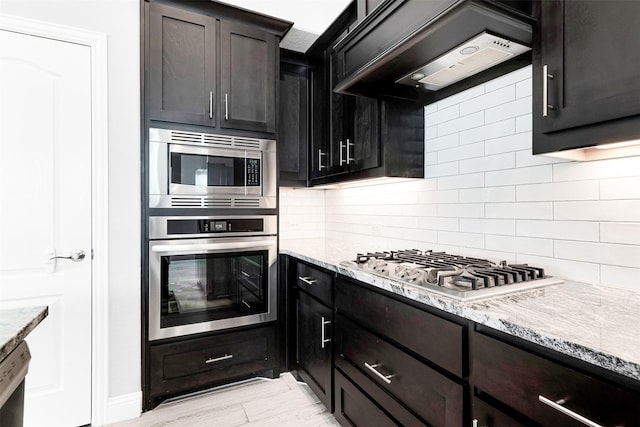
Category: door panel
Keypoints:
(45, 188)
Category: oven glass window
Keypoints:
(217, 171)
(204, 287)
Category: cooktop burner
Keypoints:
(456, 276)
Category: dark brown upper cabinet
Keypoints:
(213, 65)
(182, 66)
(585, 76)
(247, 78)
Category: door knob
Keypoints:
(76, 256)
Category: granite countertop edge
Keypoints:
(481, 312)
(16, 324)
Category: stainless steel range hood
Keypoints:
(476, 55)
(409, 49)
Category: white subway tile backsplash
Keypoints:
(535, 210)
(489, 194)
(442, 169)
(510, 109)
(441, 143)
(505, 227)
(468, 151)
(601, 169)
(469, 240)
(602, 253)
(443, 115)
(620, 277)
(460, 97)
(578, 190)
(509, 79)
(489, 99)
(614, 210)
(517, 142)
(565, 230)
(520, 245)
(620, 188)
(490, 131)
(524, 123)
(472, 180)
(529, 175)
(621, 232)
(465, 122)
(461, 210)
(488, 163)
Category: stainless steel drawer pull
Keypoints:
(557, 405)
(372, 368)
(219, 359)
(307, 280)
(545, 91)
(323, 339)
(210, 104)
(320, 154)
(226, 106)
(349, 158)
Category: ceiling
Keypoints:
(310, 17)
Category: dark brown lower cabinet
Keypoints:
(548, 392)
(197, 363)
(486, 415)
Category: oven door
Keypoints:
(202, 285)
(206, 171)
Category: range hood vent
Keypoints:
(476, 55)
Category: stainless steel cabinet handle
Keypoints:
(76, 256)
(210, 104)
(307, 280)
(545, 91)
(226, 106)
(372, 368)
(323, 339)
(246, 303)
(341, 158)
(557, 405)
(349, 158)
(320, 154)
(219, 359)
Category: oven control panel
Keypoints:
(179, 227)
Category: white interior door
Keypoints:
(45, 209)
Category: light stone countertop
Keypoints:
(596, 324)
(16, 324)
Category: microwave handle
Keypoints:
(212, 246)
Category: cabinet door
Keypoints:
(339, 119)
(182, 79)
(314, 346)
(292, 129)
(247, 78)
(363, 148)
(318, 156)
(592, 50)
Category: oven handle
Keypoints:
(190, 247)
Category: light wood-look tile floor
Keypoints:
(257, 402)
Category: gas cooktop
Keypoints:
(455, 276)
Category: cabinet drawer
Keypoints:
(354, 408)
(488, 416)
(522, 380)
(315, 282)
(432, 396)
(193, 363)
(430, 336)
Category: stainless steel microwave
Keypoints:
(200, 170)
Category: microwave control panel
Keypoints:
(253, 172)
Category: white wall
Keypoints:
(485, 195)
(120, 20)
(301, 213)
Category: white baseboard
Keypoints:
(123, 407)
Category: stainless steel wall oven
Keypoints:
(190, 169)
(210, 273)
